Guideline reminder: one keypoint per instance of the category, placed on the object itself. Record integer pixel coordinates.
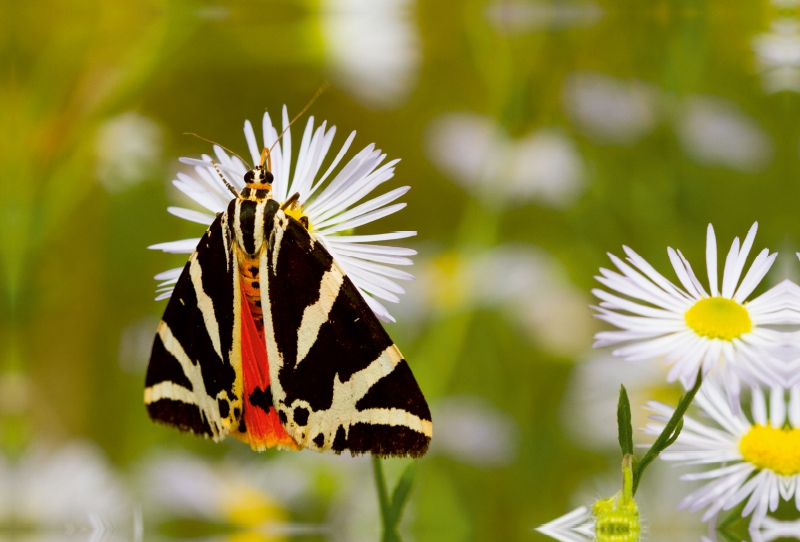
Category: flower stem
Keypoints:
(392, 509)
(380, 482)
(669, 434)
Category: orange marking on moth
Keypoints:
(262, 430)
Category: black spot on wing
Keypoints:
(261, 399)
(224, 407)
(339, 441)
(185, 320)
(398, 390)
(165, 368)
(319, 440)
(301, 416)
(184, 416)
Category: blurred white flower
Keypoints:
(249, 495)
(534, 288)
(608, 109)
(259, 496)
(715, 132)
(128, 149)
(778, 55)
(135, 345)
(589, 408)
(472, 431)
(374, 48)
(527, 284)
(519, 16)
(544, 165)
(70, 486)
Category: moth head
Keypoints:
(259, 178)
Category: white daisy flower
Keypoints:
(691, 328)
(331, 209)
(759, 458)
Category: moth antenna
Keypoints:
(266, 155)
(291, 201)
(224, 180)
(313, 99)
(215, 143)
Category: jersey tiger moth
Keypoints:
(266, 338)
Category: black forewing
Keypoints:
(194, 377)
(317, 315)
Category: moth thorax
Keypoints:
(250, 192)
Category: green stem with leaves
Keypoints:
(669, 435)
(392, 509)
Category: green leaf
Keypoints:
(401, 493)
(669, 434)
(624, 422)
(675, 435)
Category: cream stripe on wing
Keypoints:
(208, 405)
(343, 411)
(205, 304)
(317, 314)
(168, 390)
(395, 416)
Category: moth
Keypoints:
(265, 338)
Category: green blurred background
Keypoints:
(536, 135)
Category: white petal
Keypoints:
(169, 274)
(711, 261)
(742, 256)
(777, 408)
(391, 236)
(683, 275)
(185, 246)
(758, 270)
(794, 406)
(364, 208)
(364, 219)
(193, 216)
(759, 407)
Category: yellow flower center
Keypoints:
(718, 318)
(296, 212)
(775, 449)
